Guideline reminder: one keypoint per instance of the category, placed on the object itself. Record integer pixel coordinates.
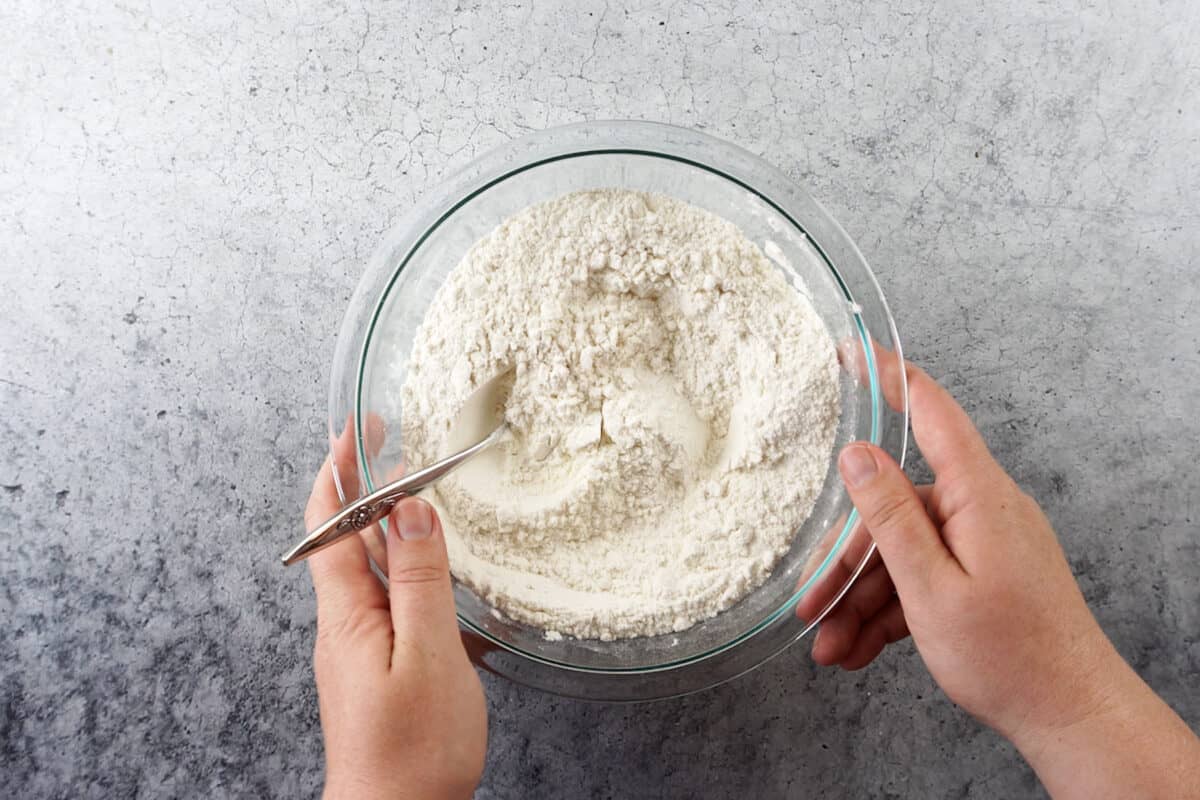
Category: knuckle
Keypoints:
(1012, 498)
(893, 512)
(334, 635)
(421, 573)
(963, 606)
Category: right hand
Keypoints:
(980, 579)
(983, 586)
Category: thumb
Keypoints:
(892, 510)
(419, 590)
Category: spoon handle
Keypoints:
(366, 511)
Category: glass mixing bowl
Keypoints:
(829, 550)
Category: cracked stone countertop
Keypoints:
(190, 191)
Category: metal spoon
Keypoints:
(477, 422)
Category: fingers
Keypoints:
(948, 439)
(344, 449)
(894, 513)
(346, 471)
(838, 632)
(345, 460)
(421, 597)
(818, 595)
(341, 575)
(889, 368)
(884, 628)
(374, 433)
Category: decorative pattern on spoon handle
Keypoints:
(366, 515)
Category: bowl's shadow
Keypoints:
(770, 733)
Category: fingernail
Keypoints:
(414, 520)
(857, 464)
(816, 646)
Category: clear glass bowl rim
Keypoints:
(642, 139)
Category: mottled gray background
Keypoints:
(189, 192)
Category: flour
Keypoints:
(672, 407)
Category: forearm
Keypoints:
(1131, 745)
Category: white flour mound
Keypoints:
(673, 407)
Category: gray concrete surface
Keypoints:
(188, 193)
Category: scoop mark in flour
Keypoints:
(672, 411)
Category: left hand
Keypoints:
(402, 710)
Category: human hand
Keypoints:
(402, 709)
(972, 568)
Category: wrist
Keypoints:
(361, 785)
(357, 782)
(1127, 743)
(1094, 687)
(337, 788)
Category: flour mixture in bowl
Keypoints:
(673, 404)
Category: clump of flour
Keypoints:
(673, 406)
